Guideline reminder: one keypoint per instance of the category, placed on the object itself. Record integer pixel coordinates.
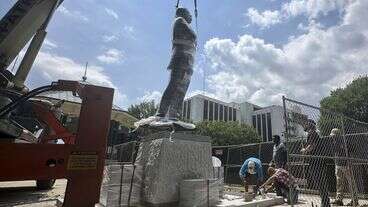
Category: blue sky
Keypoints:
(256, 50)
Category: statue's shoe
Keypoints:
(163, 122)
(180, 125)
(176, 124)
(148, 121)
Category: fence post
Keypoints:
(259, 151)
(227, 164)
(354, 193)
(131, 185)
(119, 153)
(208, 192)
(121, 183)
(286, 135)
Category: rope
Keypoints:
(196, 16)
(196, 28)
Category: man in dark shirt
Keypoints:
(342, 170)
(317, 165)
(279, 156)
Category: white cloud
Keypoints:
(49, 44)
(73, 14)
(110, 38)
(53, 67)
(112, 13)
(312, 8)
(63, 10)
(111, 56)
(307, 67)
(264, 19)
(151, 95)
(127, 32)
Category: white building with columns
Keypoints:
(267, 121)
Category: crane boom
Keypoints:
(20, 24)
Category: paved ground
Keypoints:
(23, 193)
(305, 200)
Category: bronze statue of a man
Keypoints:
(184, 45)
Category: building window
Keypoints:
(259, 125)
(230, 113)
(264, 129)
(269, 127)
(205, 110)
(188, 110)
(234, 114)
(184, 110)
(211, 111)
(221, 112)
(216, 111)
(255, 121)
(225, 114)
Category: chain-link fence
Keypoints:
(125, 152)
(233, 157)
(330, 163)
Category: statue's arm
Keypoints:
(181, 25)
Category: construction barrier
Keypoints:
(330, 161)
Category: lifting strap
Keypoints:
(196, 15)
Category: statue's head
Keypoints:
(183, 12)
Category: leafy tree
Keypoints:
(351, 101)
(143, 110)
(227, 133)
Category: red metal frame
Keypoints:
(29, 161)
(55, 130)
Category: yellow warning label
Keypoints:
(82, 161)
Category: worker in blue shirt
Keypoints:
(251, 173)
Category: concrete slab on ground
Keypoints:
(233, 201)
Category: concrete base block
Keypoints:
(167, 159)
(199, 192)
(119, 182)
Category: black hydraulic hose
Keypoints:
(10, 107)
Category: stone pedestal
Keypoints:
(200, 192)
(169, 159)
(122, 185)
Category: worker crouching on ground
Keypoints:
(283, 183)
(251, 173)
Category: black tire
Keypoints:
(45, 184)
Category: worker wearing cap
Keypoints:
(251, 173)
